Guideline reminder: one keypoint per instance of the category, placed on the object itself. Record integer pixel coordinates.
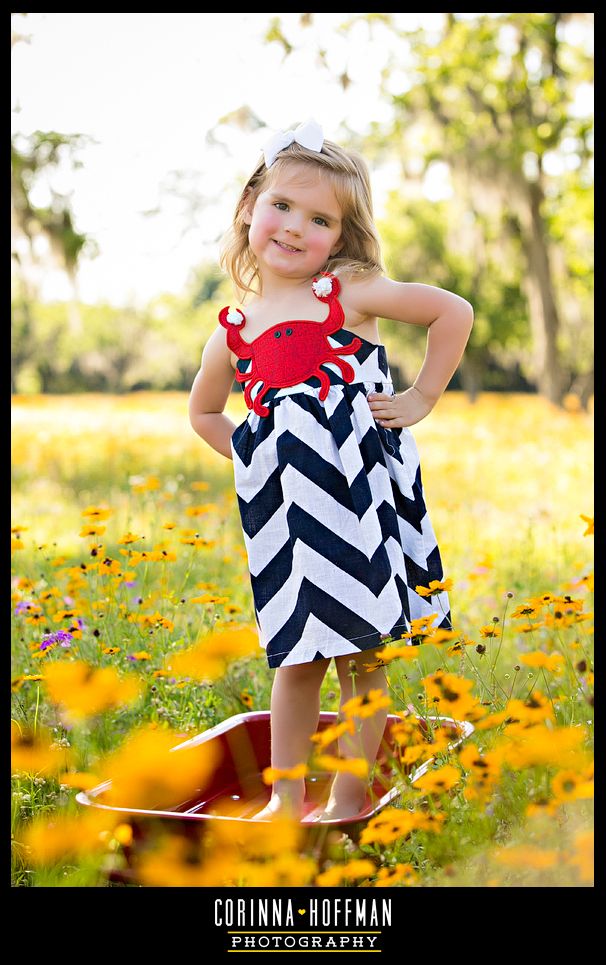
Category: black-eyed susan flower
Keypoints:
(92, 530)
(387, 654)
(571, 786)
(246, 698)
(525, 610)
(438, 780)
(490, 630)
(534, 708)
(389, 825)
(420, 629)
(129, 538)
(97, 512)
(434, 588)
(452, 696)
(366, 705)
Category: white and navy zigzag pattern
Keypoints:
(334, 518)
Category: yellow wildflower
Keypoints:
(357, 868)
(150, 771)
(209, 658)
(589, 521)
(534, 708)
(271, 774)
(366, 705)
(526, 856)
(571, 786)
(49, 841)
(438, 780)
(83, 691)
(330, 734)
(389, 825)
(434, 587)
(553, 662)
(36, 753)
(398, 874)
(583, 856)
(97, 512)
(352, 765)
(145, 485)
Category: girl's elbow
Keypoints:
(467, 310)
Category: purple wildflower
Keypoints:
(22, 605)
(62, 637)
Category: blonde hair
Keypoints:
(360, 247)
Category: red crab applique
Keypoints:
(291, 352)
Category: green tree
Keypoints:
(492, 98)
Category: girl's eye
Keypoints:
(281, 205)
(321, 221)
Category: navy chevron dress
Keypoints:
(333, 514)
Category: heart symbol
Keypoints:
(301, 911)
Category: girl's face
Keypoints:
(295, 225)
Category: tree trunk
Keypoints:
(544, 318)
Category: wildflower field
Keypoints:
(133, 629)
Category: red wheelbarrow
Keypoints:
(236, 790)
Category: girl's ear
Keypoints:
(246, 209)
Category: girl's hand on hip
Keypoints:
(400, 410)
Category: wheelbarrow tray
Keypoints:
(236, 791)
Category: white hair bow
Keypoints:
(309, 135)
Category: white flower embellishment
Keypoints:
(322, 287)
(234, 317)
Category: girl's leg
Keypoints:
(295, 711)
(348, 792)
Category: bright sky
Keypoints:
(148, 87)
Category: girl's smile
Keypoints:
(286, 247)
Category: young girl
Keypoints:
(326, 469)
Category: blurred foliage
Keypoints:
(119, 349)
(492, 98)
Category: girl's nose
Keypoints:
(294, 226)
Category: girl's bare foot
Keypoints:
(286, 800)
(279, 807)
(347, 798)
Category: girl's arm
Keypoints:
(210, 392)
(448, 318)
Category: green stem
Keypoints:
(37, 705)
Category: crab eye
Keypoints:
(289, 331)
(277, 334)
